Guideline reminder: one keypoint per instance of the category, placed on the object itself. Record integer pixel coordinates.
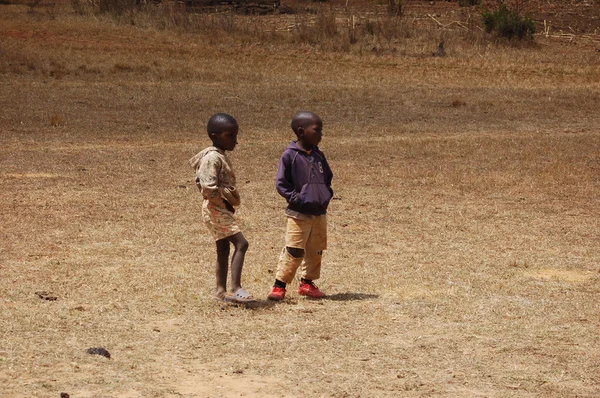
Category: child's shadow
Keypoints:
(348, 296)
(266, 304)
(258, 305)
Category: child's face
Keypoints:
(311, 135)
(226, 139)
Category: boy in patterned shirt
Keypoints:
(216, 181)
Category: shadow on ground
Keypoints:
(351, 296)
(259, 304)
(266, 304)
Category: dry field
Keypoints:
(464, 249)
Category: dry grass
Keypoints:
(463, 257)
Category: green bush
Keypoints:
(508, 23)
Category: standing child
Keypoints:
(304, 180)
(216, 181)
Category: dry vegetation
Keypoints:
(464, 257)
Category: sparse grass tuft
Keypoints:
(56, 120)
(457, 103)
(521, 264)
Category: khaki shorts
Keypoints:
(219, 220)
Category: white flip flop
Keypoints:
(241, 296)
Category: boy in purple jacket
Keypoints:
(304, 180)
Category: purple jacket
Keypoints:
(304, 180)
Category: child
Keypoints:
(304, 180)
(216, 181)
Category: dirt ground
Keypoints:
(463, 255)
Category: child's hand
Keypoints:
(229, 206)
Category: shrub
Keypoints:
(395, 7)
(468, 3)
(318, 32)
(116, 7)
(508, 23)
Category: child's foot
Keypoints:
(277, 294)
(220, 295)
(240, 296)
(310, 290)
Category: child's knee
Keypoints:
(243, 245)
(295, 252)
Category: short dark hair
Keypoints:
(218, 122)
(303, 119)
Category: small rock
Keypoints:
(64, 395)
(99, 351)
(46, 296)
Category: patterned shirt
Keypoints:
(215, 177)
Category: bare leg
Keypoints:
(222, 266)
(237, 261)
